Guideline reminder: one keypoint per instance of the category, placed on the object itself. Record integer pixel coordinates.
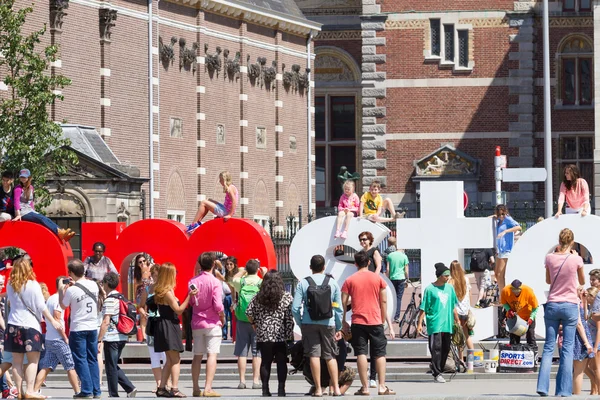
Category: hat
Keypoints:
(441, 269)
(24, 173)
(516, 284)
(223, 257)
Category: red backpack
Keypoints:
(126, 323)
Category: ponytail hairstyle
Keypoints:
(565, 239)
(226, 179)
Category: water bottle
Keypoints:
(470, 360)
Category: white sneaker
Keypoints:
(132, 393)
(439, 379)
(372, 384)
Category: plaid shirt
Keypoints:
(96, 271)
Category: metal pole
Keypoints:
(547, 113)
(150, 110)
(498, 174)
(309, 123)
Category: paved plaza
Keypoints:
(409, 380)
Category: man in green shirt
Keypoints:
(438, 305)
(397, 271)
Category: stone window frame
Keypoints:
(576, 6)
(262, 220)
(441, 58)
(560, 56)
(328, 143)
(176, 215)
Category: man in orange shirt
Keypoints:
(369, 310)
(518, 299)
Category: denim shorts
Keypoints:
(504, 255)
(245, 339)
(220, 210)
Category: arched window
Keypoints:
(575, 72)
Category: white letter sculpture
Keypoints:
(317, 238)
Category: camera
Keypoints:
(66, 281)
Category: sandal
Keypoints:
(388, 392)
(176, 393)
(360, 392)
(211, 394)
(162, 392)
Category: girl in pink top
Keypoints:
(575, 191)
(347, 208)
(225, 210)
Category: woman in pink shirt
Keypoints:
(347, 209)
(575, 191)
(564, 272)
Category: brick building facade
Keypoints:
(432, 87)
(230, 88)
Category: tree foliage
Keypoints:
(28, 136)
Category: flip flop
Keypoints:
(388, 392)
(211, 394)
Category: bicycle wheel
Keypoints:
(424, 329)
(412, 327)
(408, 317)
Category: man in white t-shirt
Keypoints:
(82, 296)
(57, 347)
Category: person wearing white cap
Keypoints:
(25, 209)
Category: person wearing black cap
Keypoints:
(519, 299)
(439, 307)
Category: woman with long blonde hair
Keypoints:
(23, 330)
(462, 287)
(223, 210)
(167, 333)
(25, 208)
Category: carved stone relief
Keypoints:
(57, 13)
(107, 18)
(331, 69)
(261, 75)
(232, 66)
(261, 137)
(293, 144)
(187, 56)
(166, 51)
(294, 80)
(446, 161)
(220, 134)
(176, 127)
(213, 61)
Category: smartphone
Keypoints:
(66, 281)
(193, 287)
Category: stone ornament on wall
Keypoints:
(65, 205)
(329, 68)
(261, 137)
(220, 134)
(213, 61)
(261, 75)
(187, 56)
(166, 52)
(294, 80)
(293, 144)
(232, 66)
(447, 161)
(107, 18)
(330, 7)
(57, 13)
(176, 127)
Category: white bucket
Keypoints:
(517, 326)
(490, 366)
(493, 354)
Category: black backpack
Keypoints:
(297, 357)
(318, 299)
(479, 261)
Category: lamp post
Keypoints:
(547, 112)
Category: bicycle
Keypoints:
(410, 319)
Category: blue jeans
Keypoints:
(84, 346)
(42, 220)
(556, 314)
(399, 286)
(227, 301)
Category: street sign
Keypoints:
(524, 174)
